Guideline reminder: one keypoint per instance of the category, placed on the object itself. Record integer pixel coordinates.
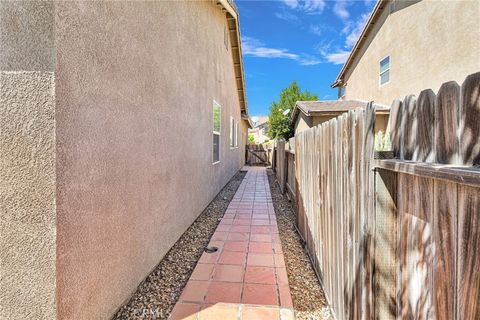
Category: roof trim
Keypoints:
(377, 11)
(247, 118)
(236, 44)
(379, 109)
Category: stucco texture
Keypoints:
(429, 43)
(27, 195)
(135, 83)
(27, 35)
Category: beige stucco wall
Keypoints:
(27, 195)
(302, 123)
(135, 86)
(117, 135)
(27, 161)
(429, 43)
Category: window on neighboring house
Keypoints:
(217, 113)
(385, 70)
(341, 91)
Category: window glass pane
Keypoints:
(216, 117)
(232, 132)
(236, 134)
(385, 77)
(216, 147)
(384, 64)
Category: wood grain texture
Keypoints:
(469, 120)
(424, 150)
(446, 124)
(468, 282)
(281, 165)
(332, 168)
(416, 247)
(459, 174)
(408, 127)
(395, 125)
(444, 233)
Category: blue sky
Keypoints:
(302, 40)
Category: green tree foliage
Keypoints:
(280, 124)
(251, 139)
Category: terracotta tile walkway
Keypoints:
(246, 278)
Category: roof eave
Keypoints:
(236, 44)
(377, 10)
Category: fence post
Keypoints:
(281, 164)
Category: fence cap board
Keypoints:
(460, 174)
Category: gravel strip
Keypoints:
(157, 294)
(307, 294)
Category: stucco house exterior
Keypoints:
(307, 114)
(408, 46)
(120, 122)
(260, 129)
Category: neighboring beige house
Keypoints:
(120, 121)
(408, 46)
(307, 114)
(260, 129)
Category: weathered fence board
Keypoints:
(468, 283)
(280, 165)
(395, 125)
(400, 241)
(424, 150)
(332, 172)
(469, 119)
(408, 128)
(446, 124)
(290, 174)
(256, 154)
(444, 233)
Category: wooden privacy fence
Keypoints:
(427, 253)
(256, 154)
(396, 238)
(334, 188)
(285, 167)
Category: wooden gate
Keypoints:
(256, 155)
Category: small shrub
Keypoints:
(382, 141)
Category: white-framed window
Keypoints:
(217, 119)
(236, 134)
(341, 92)
(384, 76)
(232, 132)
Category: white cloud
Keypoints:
(318, 30)
(291, 3)
(340, 9)
(255, 48)
(309, 60)
(307, 6)
(338, 57)
(286, 16)
(354, 30)
(314, 6)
